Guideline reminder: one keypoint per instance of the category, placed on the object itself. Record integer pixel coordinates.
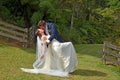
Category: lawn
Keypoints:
(90, 66)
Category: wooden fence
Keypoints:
(31, 36)
(111, 54)
(14, 32)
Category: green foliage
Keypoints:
(79, 21)
(4, 13)
(36, 17)
(24, 1)
(74, 36)
(19, 21)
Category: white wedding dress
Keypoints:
(59, 59)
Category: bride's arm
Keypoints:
(43, 38)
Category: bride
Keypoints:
(55, 58)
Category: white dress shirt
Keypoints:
(48, 41)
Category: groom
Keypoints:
(50, 29)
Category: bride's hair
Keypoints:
(41, 23)
(37, 33)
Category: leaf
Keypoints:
(24, 1)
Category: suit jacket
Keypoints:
(53, 32)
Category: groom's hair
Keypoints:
(41, 23)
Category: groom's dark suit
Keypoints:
(51, 28)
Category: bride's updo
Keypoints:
(41, 23)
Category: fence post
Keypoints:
(31, 36)
(28, 38)
(104, 54)
(111, 54)
(25, 37)
(119, 59)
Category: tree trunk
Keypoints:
(72, 20)
(88, 15)
(27, 22)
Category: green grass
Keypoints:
(90, 66)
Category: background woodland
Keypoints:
(79, 21)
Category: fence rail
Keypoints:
(111, 54)
(13, 32)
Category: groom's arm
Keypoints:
(53, 33)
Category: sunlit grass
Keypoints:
(90, 66)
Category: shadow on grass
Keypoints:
(84, 72)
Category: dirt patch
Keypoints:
(11, 42)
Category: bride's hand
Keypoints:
(48, 42)
(42, 56)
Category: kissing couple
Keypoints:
(53, 56)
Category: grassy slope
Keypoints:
(90, 65)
